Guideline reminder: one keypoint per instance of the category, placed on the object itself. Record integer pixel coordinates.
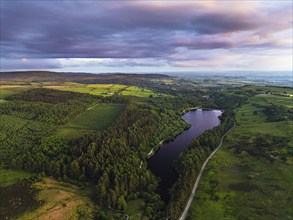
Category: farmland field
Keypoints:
(93, 89)
(280, 100)
(136, 91)
(106, 89)
(98, 117)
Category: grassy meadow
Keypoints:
(240, 185)
(286, 101)
(10, 177)
(106, 89)
(95, 118)
(93, 89)
(5, 92)
(136, 91)
(10, 88)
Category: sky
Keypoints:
(146, 36)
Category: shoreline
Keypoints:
(155, 149)
(193, 192)
(189, 109)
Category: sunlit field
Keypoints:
(107, 90)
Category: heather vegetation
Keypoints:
(251, 176)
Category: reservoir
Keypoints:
(161, 163)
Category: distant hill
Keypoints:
(36, 76)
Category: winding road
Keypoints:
(183, 216)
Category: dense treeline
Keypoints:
(57, 114)
(49, 96)
(278, 113)
(190, 162)
(229, 100)
(18, 135)
(165, 104)
(265, 146)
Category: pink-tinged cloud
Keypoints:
(24, 59)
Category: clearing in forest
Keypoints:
(95, 118)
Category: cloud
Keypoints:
(135, 30)
(24, 59)
(32, 64)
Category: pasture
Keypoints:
(136, 91)
(95, 118)
(93, 89)
(286, 101)
(106, 89)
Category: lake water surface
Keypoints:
(161, 163)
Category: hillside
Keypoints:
(38, 76)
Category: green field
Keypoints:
(5, 92)
(135, 209)
(94, 89)
(250, 123)
(10, 177)
(106, 89)
(280, 100)
(239, 184)
(270, 89)
(95, 118)
(136, 91)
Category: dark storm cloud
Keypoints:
(89, 29)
